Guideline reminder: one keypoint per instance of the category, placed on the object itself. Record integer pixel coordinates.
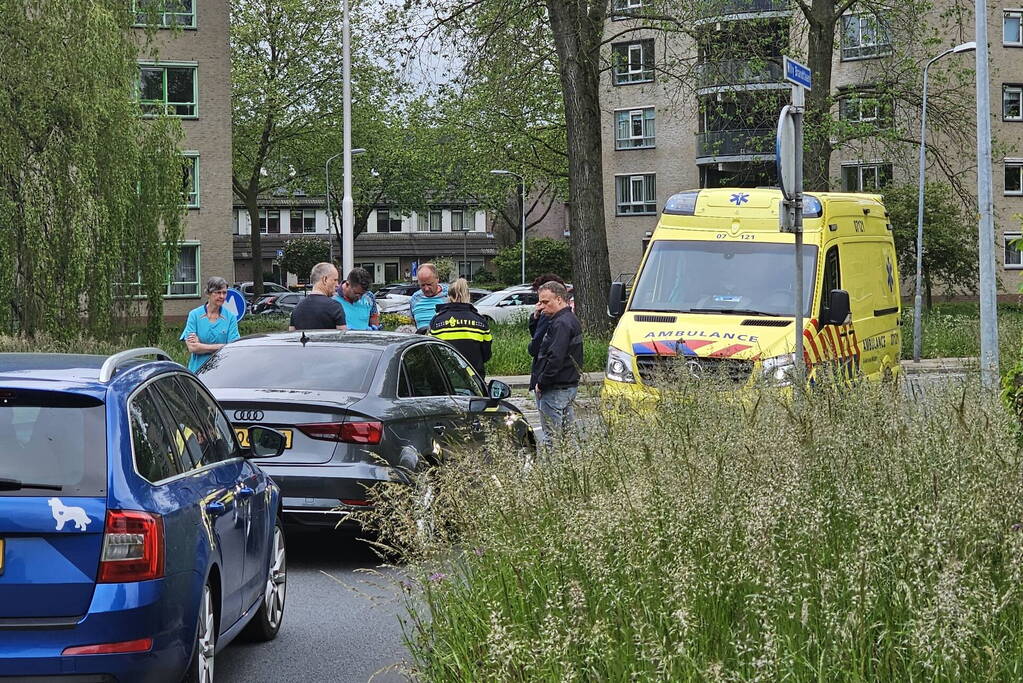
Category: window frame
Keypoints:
(165, 104)
(621, 56)
(860, 166)
(403, 373)
(195, 189)
(881, 45)
(649, 206)
(141, 15)
(1016, 88)
(1018, 14)
(264, 222)
(136, 284)
(1016, 164)
(648, 133)
(1006, 238)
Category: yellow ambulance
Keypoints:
(714, 295)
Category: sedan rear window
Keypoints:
(291, 367)
(52, 442)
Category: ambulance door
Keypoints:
(830, 351)
(869, 277)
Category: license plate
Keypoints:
(243, 436)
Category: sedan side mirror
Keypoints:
(266, 442)
(838, 307)
(498, 390)
(616, 300)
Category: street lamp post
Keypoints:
(331, 225)
(985, 207)
(918, 299)
(347, 203)
(522, 213)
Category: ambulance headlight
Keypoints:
(619, 366)
(779, 369)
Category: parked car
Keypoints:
(268, 288)
(136, 537)
(278, 304)
(357, 409)
(396, 298)
(513, 304)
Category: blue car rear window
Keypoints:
(52, 439)
(290, 367)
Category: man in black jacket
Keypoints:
(558, 362)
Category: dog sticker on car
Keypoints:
(67, 513)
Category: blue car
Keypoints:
(136, 537)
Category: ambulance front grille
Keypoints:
(665, 370)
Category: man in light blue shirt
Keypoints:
(210, 327)
(361, 312)
(423, 304)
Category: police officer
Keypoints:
(458, 323)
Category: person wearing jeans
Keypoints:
(559, 362)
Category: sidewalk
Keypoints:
(925, 366)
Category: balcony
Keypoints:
(721, 8)
(742, 144)
(737, 72)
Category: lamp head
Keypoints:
(965, 47)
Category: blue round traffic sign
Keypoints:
(235, 303)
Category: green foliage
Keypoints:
(511, 357)
(91, 194)
(302, 253)
(950, 249)
(864, 537)
(445, 266)
(543, 255)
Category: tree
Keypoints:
(90, 193)
(286, 61)
(567, 38)
(950, 252)
(543, 255)
(301, 254)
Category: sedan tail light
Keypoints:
(347, 432)
(133, 547)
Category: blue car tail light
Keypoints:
(133, 547)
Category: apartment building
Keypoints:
(699, 109)
(387, 247)
(185, 72)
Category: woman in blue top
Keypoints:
(361, 312)
(209, 327)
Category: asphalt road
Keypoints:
(341, 620)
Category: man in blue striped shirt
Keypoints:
(432, 293)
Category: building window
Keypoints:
(190, 180)
(1012, 28)
(634, 128)
(164, 13)
(1013, 258)
(303, 221)
(388, 221)
(632, 62)
(269, 221)
(1012, 102)
(436, 221)
(1014, 177)
(865, 177)
(859, 107)
(469, 268)
(635, 194)
(460, 220)
(236, 225)
(169, 90)
(864, 36)
(422, 221)
(622, 9)
(185, 277)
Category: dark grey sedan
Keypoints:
(356, 408)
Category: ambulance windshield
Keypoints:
(738, 278)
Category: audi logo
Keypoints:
(248, 415)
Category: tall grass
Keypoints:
(859, 536)
(952, 330)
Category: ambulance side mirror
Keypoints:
(838, 307)
(616, 300)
